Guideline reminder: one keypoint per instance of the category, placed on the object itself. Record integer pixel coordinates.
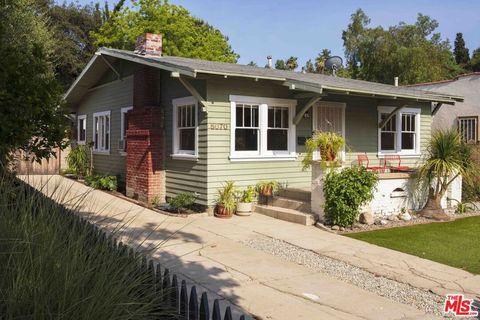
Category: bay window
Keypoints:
(262, 128)
(401, 133)
(101, 132)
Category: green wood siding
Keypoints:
(112, 96)
(184, 175)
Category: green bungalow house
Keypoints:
(168, 124)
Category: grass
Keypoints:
(455, 243)
(55, 266)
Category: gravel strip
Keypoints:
(397, 291)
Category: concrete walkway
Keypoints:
(207, 251)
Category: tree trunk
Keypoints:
(433, 208)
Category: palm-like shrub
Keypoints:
(328, 143)
(447, 157)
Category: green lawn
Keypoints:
(455, 243)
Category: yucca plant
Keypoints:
(447, 158)
(56, 266)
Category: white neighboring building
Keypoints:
(464, 115)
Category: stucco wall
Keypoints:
(467, 86)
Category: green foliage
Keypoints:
(262, 187)
(248, 195)
(460, 52)
(53, 265)
(413, 52)
(471, 189)
(226, 196)
(32, 117)
(156, 201)
(474, 64)
(464, 207)
(345, 192)
(102, 182)
(78, 160)
(290, 64)
(183, 200)
(329, 144)
(446, 158)
(183, 34)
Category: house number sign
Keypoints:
(219, 126)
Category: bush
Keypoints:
(102, 182)
(345, 192)
(78, 160)
(55, 266)
(183, 200)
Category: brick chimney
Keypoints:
(149, 45)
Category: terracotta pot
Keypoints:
(244, 208)
(267, 191)
(221, 212)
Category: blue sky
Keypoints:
(302, 28)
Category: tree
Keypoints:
(414, 52)
(320, 60)
(474, 63)
(31, 115)
(309, 67)
(290, 64)
(252, 64)
(447, 158)
(183, 34)
(460, 52)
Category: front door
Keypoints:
(329, 116)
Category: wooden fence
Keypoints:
(174, 295)
(24, 165)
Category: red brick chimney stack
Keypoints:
(149, 45)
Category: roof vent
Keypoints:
(149, 45)
(269, 62)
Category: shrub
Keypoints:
(182, 200)
(54, 266)
(345, 192)
(248, 195)
(78, 160)
(226, 196)
(102, 182)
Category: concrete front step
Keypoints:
(303, 195)
(287, 203)
(286, 214)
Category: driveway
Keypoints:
(211, 253)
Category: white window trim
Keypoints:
(98, 114)
(123, 111)
(403, 153)
(176, 152)
(81, 117)
(343, 106)
(263, 154)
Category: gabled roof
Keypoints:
(311, 82)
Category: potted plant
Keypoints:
(328, 143)
(245, 205)
(226, 201)
(267, 188)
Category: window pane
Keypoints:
(187, 139)
(96, 134)
(254, 116)
(387, 141)
(277, 140)
(408, 141)
(285, 118)
(390, 125)
(239, 115)
(278, 117)
(247, 117)
(271, 117)
(246, 139)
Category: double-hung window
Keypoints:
(400, 134)
(468, 128)
(262, 128)
(101, 132)
(185, 128)
(81, 129)
(123, 129)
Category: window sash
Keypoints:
(185, 119)
(101, 132)
(468, 128)
(81, 129)
(405, 126)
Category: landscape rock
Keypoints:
(383, 222)
(405, 216)
(335, 227)
(342, 229)
(366, 218)
(392, 218)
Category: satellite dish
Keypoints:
(333, 63)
